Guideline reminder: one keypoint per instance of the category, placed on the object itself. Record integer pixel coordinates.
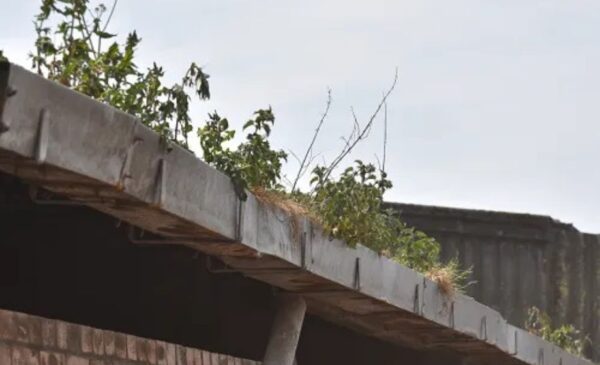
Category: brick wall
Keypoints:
(31, 340)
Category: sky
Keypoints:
(497, 104)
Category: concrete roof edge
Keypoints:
(105, 158)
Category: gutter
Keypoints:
(93, 154)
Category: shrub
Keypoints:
(566, 336)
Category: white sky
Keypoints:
(497, 105)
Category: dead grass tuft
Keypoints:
(288, 205)
(281, 201)
(444, 279)
(450, 278)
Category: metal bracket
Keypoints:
(133, 238)
(516, 343)
(416, 301)
(303, 250)
(239, 218)
(451, 315)
(160, 183)
(126, 168)
(41, 142)
(483, 328)
(356, 283)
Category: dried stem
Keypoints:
(359, 133)
(306, 161)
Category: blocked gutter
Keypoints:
(93, 154)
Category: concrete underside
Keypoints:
(103, 158)
(75, 264)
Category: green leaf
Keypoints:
(104, 35)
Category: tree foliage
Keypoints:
(74, 48)
(253, 163)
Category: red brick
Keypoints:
(25, 356)
(120, 345)
(189, 356)
(182, 356)
(28, 328)
(7, 326)
(73, 338)
(61, 335)
(109, 342)
(98, 341)
(87, 342)
(51, 358)
(142, 349)
(49, 333)
(161, 353)
(5, 354)
(151, 351)
(206, 357)
(223, 360)
(132, 347)
(77, 360)
(171, 354)
(197, 357)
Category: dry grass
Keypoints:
(443, 277)
(281, 201)
(449, 278)
(286, 204)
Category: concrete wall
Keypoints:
(519, 261)
(31, 340)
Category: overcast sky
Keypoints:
(497, 105)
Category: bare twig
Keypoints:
(110, 15)
(304, 165)
(359, 133)
(88, 35)
(385, 126)
(295, 156)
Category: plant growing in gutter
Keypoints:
(566, 336)
(74, 48)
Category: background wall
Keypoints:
(519, 261)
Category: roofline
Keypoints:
(92, 153)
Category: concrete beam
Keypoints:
(285, 333)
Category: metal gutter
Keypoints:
(96, 155)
